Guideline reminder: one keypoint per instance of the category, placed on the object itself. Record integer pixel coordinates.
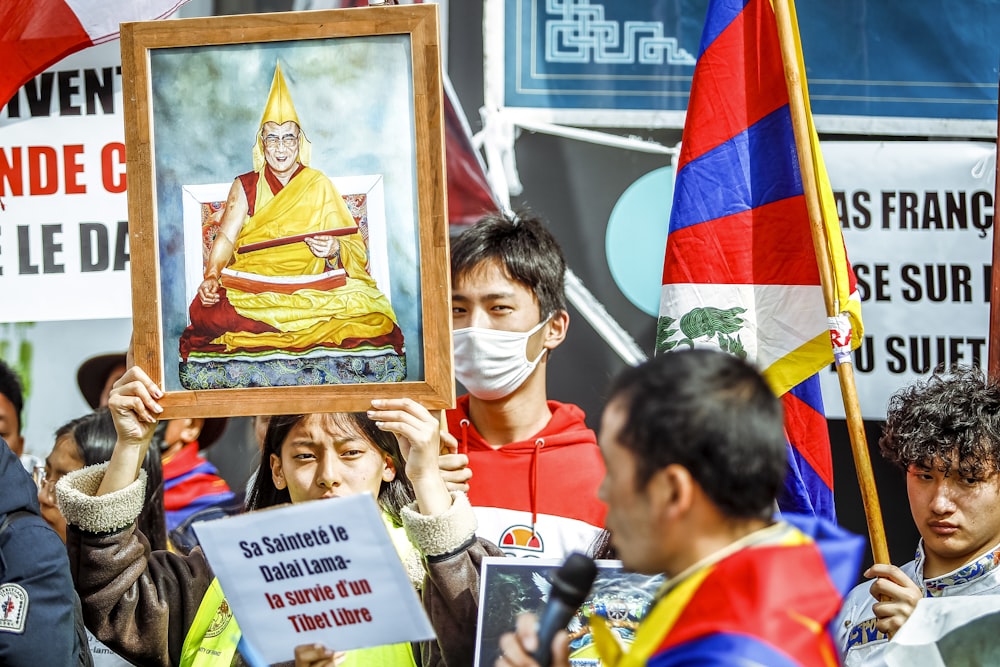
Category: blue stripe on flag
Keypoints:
(807, 490)
(841, 550)
(720, 15)
(730, 648)
(756, 167)
(804, 490)
(810, 392)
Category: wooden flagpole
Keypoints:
(845, 369)
(993, 367)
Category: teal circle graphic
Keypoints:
(637, 237)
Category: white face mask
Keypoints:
(491, 364)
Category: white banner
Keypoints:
(918, 224)
(64, 252)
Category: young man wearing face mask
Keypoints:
(535, 464)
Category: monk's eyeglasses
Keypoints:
(288, 140)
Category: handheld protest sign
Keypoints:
(323, 571)
(287, 212)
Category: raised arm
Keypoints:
(419, 439)
(139, 602)
(135, 412)
(442, 526)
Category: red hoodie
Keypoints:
(537, 497)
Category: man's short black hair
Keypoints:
(953, 416)
(10, 386)
(525, 250)
(713, 414)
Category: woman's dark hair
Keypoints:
(392, 496)
(94, 435)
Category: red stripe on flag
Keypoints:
(469, 193)
(739, 79)
(755, 247)
(809, 433)
(35, 34)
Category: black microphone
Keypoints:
(570, 587)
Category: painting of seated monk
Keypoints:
(281, 321)
(286, 296)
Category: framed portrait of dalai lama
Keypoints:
(286, 210)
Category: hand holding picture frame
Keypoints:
(241, 130)
(512, 586)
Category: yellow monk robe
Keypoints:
(308, 203)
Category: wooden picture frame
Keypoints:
(366, 89)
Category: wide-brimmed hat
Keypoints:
(211, 431)
(92, 376)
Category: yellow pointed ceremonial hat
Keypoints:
(279, 109)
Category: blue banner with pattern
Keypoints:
(932, 59)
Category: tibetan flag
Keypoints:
(469, 193)
(740, 269)
(191, 484)
(809, 483)
(35, 34)
(769, 603)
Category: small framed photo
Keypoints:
(287, 218)
(512, 586)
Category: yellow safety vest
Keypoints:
(212, 638)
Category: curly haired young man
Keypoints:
(945, 435)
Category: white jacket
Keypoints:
(855, 634)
